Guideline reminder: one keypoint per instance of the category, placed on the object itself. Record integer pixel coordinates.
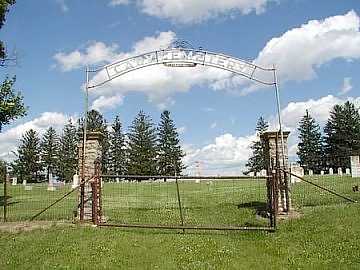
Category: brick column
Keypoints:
(92, 154)
(274, 158)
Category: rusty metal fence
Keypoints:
(187, 202)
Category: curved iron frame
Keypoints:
(254, 67)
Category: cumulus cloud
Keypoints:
(317, 42)
(9, 139)
(190, 11)
(346, 87)
(228, 154)
(300, 51)
(107, 102)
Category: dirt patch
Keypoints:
(14, 227)
(293, 214)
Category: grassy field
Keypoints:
(325, 236)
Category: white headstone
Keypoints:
(322, 172)
(311, 173)
(75, 181)
(14, 181)
(297, 170)
(197, 181)
(24, 182)
(251, 174)
(355, 166)
(263, 173)
(347, 171)
(117, 180)
(331, 171)
(340, 171)
(51, 183)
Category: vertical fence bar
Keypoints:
(179, 202)
(5, 194)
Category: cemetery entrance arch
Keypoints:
(179, 54)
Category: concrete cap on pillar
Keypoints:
(274, 134)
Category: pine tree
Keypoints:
(117, 151)
(310, 151)
(29, 156)
(97, 123)
(68, 155)
(169, 150)
(257, 161)
(49, 151)
(2, 171)
(142, 146)
(342, 135)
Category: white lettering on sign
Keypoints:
(181, 58)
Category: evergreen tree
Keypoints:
(169, 150)
(257, 161)
(342, 135)
(96, 122)
(29, 156)
(68, 152)
(2, 171)
(117, 151)
(310, 151)
(142, 146)
(49, 151)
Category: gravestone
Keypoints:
(14, 181)
(340, 171)
(263, 173)
(347, 171)
(117, 180)
(311, 172)
(355, 166)
(322, 172)
(51, 183)
(331, 171)
(297, 170)
(75, 182)
(24, 182)
(251, 174)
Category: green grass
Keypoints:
(326, 236)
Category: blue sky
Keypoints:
(314, 44)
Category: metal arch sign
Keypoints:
(181, 57)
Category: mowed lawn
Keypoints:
(325, 236)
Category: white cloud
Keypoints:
(347, 86)
(63, 5)
(118, 2)
(226, 155)
(95, 53)
(9, 139)
(159, 83)
(105, 103)
(317, 42)
(196, 11)
(300, 51)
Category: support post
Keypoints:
(276, 154)
(90, 173)
(6, 180)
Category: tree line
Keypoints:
(143, 150)
(318, 149)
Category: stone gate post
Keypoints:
(274, 158)
(87, 172)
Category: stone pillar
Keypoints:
(274, 158)
(87, 172)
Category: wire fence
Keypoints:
(24, 201)
(202, 202)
